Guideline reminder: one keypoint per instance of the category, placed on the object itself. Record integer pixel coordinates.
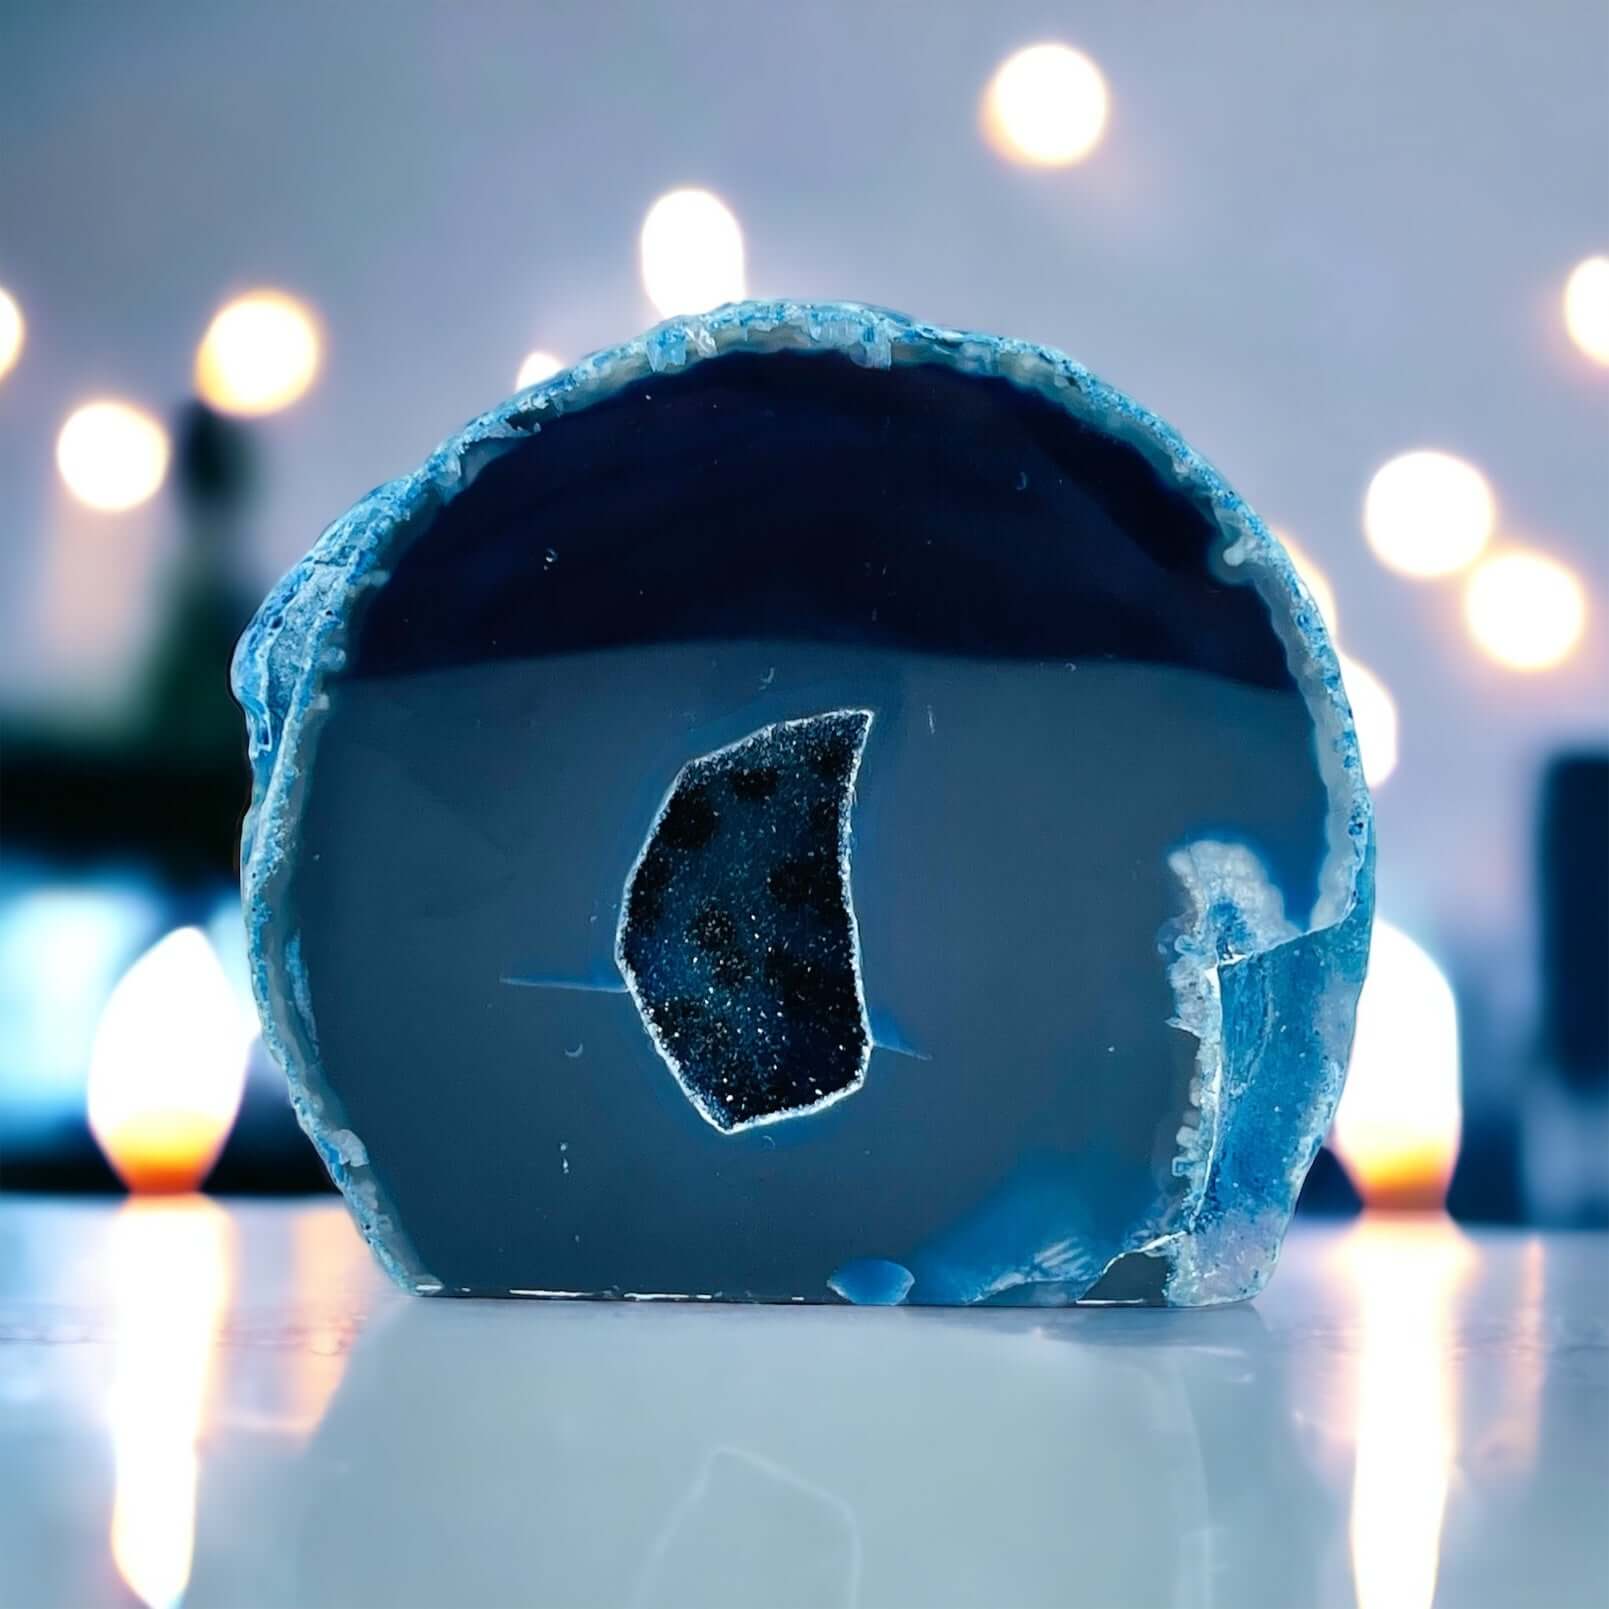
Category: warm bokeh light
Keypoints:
(168, 1065)
(260, 354)
(171, 1268)
(537, 367)
(1313, 578)
(330, 1262)
(1398, 1126)
(1406, 1273)
(1374, 715)
(112, 456)
(13, 331)
(691, 251)
(1525, 610)
(1428, 513)
(1045, 106)
(1586, 308)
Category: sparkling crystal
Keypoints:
(737, 939)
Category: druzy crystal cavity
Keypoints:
(808, 806)
(737, 936)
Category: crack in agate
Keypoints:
(1235, 910)
(737, 936)
(1267, 1076)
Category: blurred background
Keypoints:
(255, 261)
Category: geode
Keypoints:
(808, 806)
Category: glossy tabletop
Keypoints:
(225, 1404)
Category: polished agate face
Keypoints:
(809, 808)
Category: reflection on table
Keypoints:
(226, 1405)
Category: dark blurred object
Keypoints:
(1493, 999)
(1575, 920)
(1565, 1110)
(217, 473)
(1327, 1192)
(1486, 1186)
(166, 788)
(76, 804)
(70, 1162)
(190, 716)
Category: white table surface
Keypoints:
(225, 1404)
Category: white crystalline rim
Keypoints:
(299, 636)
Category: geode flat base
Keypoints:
(808, 806)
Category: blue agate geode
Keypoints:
(808, 806)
